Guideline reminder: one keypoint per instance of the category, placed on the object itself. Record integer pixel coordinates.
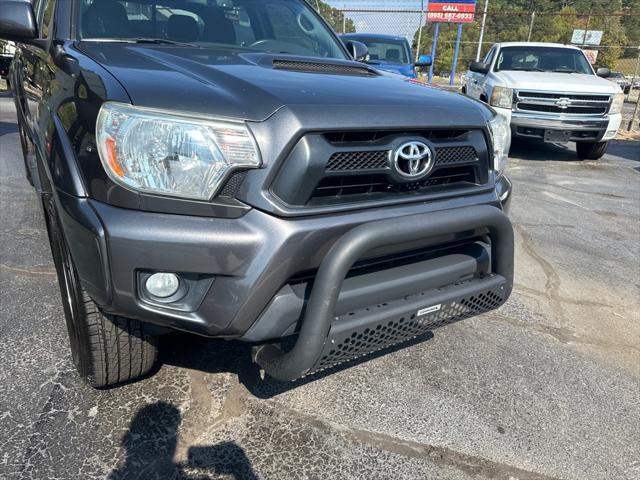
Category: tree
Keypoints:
(334, 17)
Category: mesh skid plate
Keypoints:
(374, 328)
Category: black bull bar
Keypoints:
(317, 347)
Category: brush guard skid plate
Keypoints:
(325, 340)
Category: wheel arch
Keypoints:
(86, 239)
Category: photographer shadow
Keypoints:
(151, 442)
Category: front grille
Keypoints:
(557, 96)
(379, 159)
(342, 187)
(343, 138)
(362, 160)
(321, 67)
(333, 169)
(554, 109)
(561, 103)
(450, 155)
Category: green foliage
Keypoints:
(333, 16)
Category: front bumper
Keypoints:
(582, 127)
(246, 261)
(325, 340)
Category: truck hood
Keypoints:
(246, 86)
(554, 82)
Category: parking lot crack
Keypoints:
(564, 335)
(564, 187)
(199, 409)
(234, 405)
(34, 272)
(532, 292)
(443, 456)
(552, 284)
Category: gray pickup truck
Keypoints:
(231, 169)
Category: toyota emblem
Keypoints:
(412, 160)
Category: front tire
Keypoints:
(106, 350)
(591, 150)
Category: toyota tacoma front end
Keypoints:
(222, 179)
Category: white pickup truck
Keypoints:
(549, 92)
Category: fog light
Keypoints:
(162, 285)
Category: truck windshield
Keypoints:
(543, 59)
(385, 50)
(274, 26)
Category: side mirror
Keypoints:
(17, 21)
(479, 67)
(603, 72)
(358, 50)
(424, 61)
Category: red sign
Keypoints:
(453, 12)
(452, 7)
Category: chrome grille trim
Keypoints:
(559, 103)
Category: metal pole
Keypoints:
(634, 116)
(436, 31)
(635, 110)
(422, 16)
(484, 19)
(455, 56)
(533, 17)
(586, 29)
(344, 22)
(635, 75)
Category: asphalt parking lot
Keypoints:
(548, 387)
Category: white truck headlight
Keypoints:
(501, 139)
(501, 97)
(616, 103)
(165, 153)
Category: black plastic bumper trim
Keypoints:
(320, 312)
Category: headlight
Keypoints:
(169, 154)
(616, 103)
(501, 97)
(501, 139)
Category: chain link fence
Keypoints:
(619, 47)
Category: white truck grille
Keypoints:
(561, 103)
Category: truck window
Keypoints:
(273, 26)
(543, 59)
(390, 51)
(488, 58)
